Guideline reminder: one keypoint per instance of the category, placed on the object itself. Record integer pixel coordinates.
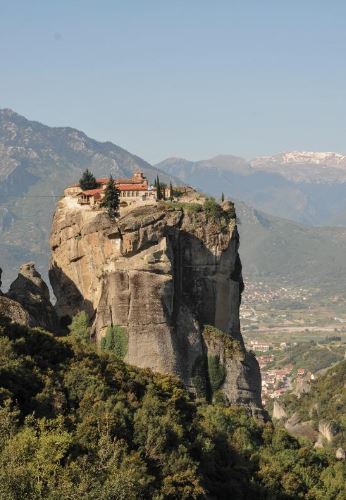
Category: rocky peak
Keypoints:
(32, 293)
(12, 309)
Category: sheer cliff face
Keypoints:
(162, 275)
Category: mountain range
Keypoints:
(37, 162)
(306, 187)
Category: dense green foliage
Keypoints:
(111, 199)
(313, 356)
(199, 377)
(79, 327)
(213, 212)
(115, 341)
(232, 346)
(216, 372)
(325, 402)
(88, 181)
(75, 424)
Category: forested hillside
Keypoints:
(325, 403)
(75, 423)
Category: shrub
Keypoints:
(230, 345)
(199, 376)
(216, 372)
(79, 328)
(115, 341)
(212, 209)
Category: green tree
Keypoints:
(158, 189)
(111, 199)
(115, 341)
(222, 197)
(171, 191)
(79, 328)
(88, 181)
(216, 372)
(163, 187)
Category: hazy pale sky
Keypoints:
(190, 78)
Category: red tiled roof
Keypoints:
(121, 180)
(91, 192)
(132, 187)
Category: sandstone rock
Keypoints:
(340, 454)
(32, 293)
(162, 275)
(279, 412)
(327, 431)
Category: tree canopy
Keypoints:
(88, 181)
(77, 424)
(111, 199)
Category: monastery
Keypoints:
(133, 190)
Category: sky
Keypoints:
(186, 78)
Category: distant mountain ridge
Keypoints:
(36, 163)
(307, 187)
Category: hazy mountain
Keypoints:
(305, 166)
(306, 187)
(283, 251)
(36, 163)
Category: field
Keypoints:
(288, 314)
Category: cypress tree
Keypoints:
(222, 197)
(158, 189)
(171, 191)
(88, 181)
(111, 199)
(163, 187)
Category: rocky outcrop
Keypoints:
(340, 454)
(279, 412)
(14, 311)
(162, 273)
(32, 293)
(327, 430)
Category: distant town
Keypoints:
(295, 333)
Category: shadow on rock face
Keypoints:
(69, 299)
